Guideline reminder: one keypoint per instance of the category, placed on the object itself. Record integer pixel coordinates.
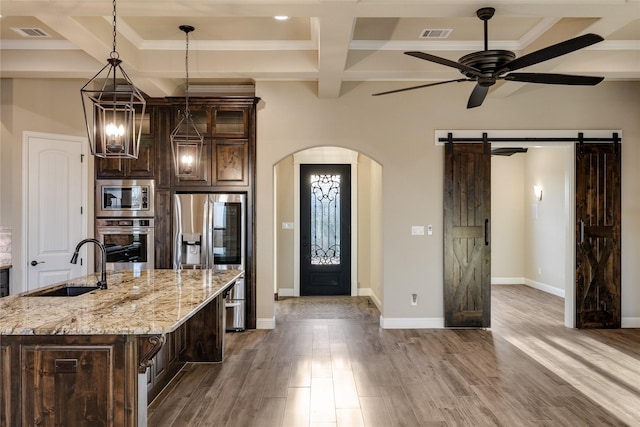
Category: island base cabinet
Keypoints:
(68, 381)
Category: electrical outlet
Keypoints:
(414, 299)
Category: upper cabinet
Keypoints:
(143, 166)
(230, 122)
(228, 128)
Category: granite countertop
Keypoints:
(5, 266)
(141, 303)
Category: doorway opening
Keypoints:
(366, 221)
(563, 140)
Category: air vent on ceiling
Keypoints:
(31, 32)
(435, 33)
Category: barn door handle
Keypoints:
(486, 232)
(581, 231)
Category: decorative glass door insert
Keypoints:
(325, 219)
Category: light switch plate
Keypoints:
(417, 230)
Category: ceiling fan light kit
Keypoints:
(487, 66)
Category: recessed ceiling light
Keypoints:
(281, 17)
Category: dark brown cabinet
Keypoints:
(166, 363)
(4, 282)
(226, 165)
(143, 166)
(228, 128)
(67, 380)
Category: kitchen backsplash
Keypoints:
(5, 245)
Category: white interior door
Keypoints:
(55, 205)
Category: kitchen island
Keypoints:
(82, 360)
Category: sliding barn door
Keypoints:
(467, 248)
(598, 236)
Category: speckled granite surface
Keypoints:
(149, 302)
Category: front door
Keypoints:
(56, 193)
(467, 246)
(598, 255)
(325, 229)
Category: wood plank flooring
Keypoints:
(328, 363)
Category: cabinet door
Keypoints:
(110, 167)
(230, 122)
(164, 159)
(230, 164)
(4, 282)
(142, 167)
(67, 386)
(197, 173)
(163, 234)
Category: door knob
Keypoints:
(34, 262)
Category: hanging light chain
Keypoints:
(114, 53)
(186, 66)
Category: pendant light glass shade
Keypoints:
(113, 109)
(186, 140)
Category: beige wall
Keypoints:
(284, 213)
(529, 236)
(507, 219)
(37, 105)
(396, 131)
(544, 220)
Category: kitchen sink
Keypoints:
(67, 290)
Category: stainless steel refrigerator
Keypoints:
(209, 232)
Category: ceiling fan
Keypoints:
(486, 67)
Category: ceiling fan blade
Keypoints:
(507, 151)
(553, 79)
(444, 61)
(551, 52)
(477, 96)
(421, 86)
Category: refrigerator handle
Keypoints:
(177, 237)
(208, 224)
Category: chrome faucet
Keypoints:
(102, 283)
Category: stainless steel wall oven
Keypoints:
(125, 222)
(128, 242)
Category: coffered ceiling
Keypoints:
(328, 42)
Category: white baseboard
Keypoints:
(368, 292)
(544, 287)
(507, 280)
(631, 322)
(266, 323)
(528, 282)
(285, 292)
(412, 323)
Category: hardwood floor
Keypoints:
(328, 363)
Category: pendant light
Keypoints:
(186, 141)
(113, 109)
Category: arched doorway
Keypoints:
(366, 226)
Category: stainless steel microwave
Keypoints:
(124, 198)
